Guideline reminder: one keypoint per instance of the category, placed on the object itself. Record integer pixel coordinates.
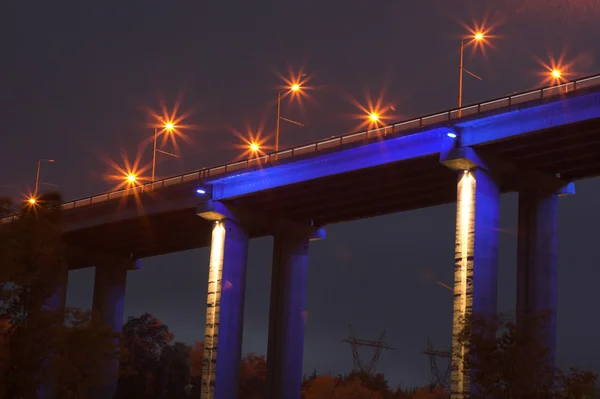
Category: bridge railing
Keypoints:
(340, 141)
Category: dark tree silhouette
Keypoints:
(509, 362)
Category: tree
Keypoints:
(253, 374)
(509, 362)
(374, 382)
(326, 386)
(173, 375)
(33, 270)
(84, 350)
(197, 355)
(143, 341)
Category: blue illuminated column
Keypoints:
(224, 310)
(475, 263)
(287, 315)
(537, 266)
(108, 305)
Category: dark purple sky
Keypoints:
(73, 78)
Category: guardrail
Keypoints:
(340, 141)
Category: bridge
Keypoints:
(537, 143)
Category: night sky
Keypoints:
(75, 79)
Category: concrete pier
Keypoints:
(224, 310)
(537, 267)
(475, 263)
(108, 307)
(287, 315)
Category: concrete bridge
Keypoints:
(537, 143)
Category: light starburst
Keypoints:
(555, 71)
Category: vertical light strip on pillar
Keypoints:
(213, 306)
(463, 274)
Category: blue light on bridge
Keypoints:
(451, 135)
(201, 191)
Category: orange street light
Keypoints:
(32, 201)
(374, 116)
(254, 147)
(131, 178)
(477, 37)
(296, 87)
(556, 74)
(168, 127)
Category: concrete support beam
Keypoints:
(263, 222)
(224, 310)
(475, 263)
(537, 266)
(509, 173)
(287, 315)
(108, 306)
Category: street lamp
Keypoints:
(167, 128)
(293, 88)
(254, 147)
(37, 177)
(477, 37)
(131, 178)
(374, 116)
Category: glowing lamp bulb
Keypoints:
(374, 117)
(169, 126)
(32, 201)
(478, 36)
(556, 73)
(295, 87)
(254, 147)
(201, 191)
(131, 178)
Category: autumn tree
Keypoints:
(173, 374)
(85, 348)
(509, 362)
(253, 375)
(143, 340)
(32, 271)
(327, 386)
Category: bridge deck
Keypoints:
(167, 221)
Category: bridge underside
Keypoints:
(418, 183)
(422, 182)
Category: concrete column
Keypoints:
(537, 266)
(108, 307)
(287, 317)
(475, 262)
(224, 311)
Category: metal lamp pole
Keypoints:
(37, 175)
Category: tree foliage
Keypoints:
(36, 346)
(507, 362)
(84, 350)
(32, 271)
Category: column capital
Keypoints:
(507, 173)
(258, 221)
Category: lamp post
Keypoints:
(294, 88)
(167, 128)
(477, 37)
(37, 175)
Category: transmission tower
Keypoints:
(439, 378)
(357, 343)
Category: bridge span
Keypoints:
(537, 143)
